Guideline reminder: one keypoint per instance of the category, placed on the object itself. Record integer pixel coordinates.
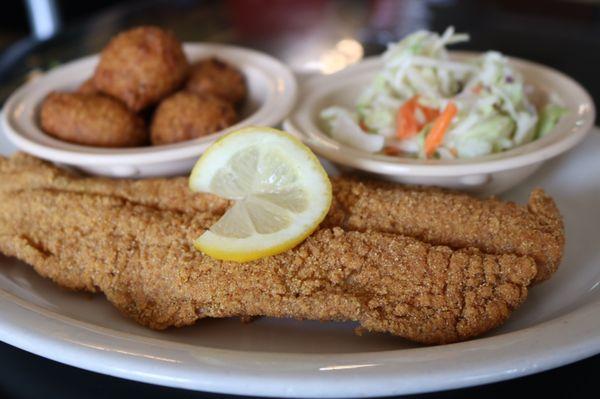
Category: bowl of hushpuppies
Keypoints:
(147, 105)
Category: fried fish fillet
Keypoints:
(133, 242)
(457, 219)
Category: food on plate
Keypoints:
(437, 216)
(91, 119)
(87, 87)
(141, 66)
(133, 240)
(186, 115)
(425, 104)
(87, 234)
(144, 68)
(280, 193)
(456, 219)
(213, 76)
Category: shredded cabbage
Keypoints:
(549, 117)
(345, 129)
(494, 113)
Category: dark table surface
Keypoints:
(27, 376)
(564, 35)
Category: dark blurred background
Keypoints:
(310, 35)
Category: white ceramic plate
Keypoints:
(486, 175)
(272, 91)
(558, 324)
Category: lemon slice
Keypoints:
(280, 192)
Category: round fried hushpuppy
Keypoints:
(87, 87)
(213, 76)
(141, 66)
(186, 115)
(91, 119)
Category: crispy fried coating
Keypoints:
(141, 66)
(91, 119)
(140, 255)
(213, 76)
(457, 219)
(87, 87)
(437, 216)
(185, 116)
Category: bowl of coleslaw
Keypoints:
(419, 114)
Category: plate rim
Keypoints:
(297, 375)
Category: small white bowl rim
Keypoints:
(569, 131)
(275, 108)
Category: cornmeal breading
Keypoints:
(132, 240)
(433, 215)
(141, 66)
(457, 219)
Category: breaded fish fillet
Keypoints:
(457, 219)
(433, 215)
(136, 247)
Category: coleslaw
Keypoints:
(425, 104)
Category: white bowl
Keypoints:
(484, 175)
(272, 92)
